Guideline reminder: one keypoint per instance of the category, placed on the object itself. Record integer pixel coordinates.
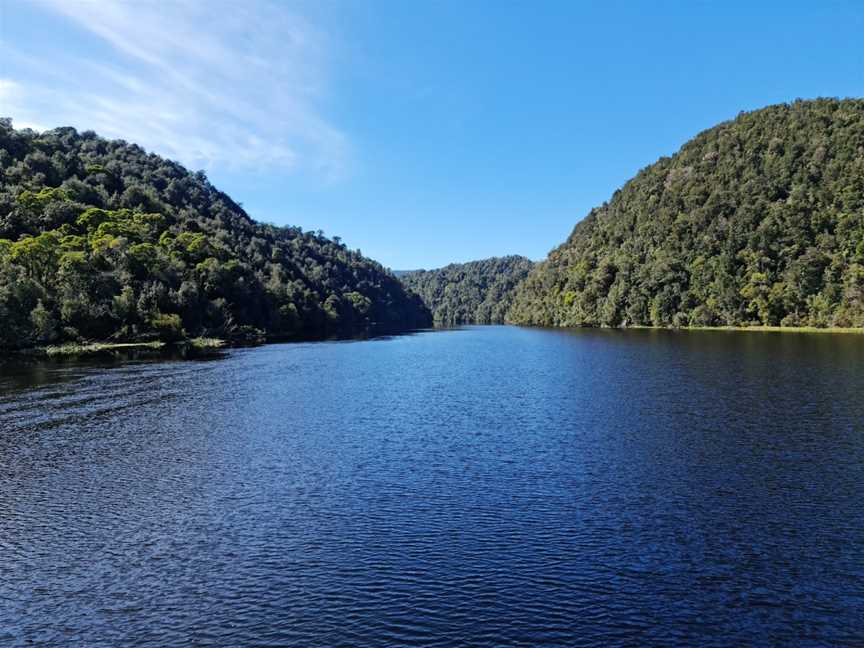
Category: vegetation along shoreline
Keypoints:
(754, 224)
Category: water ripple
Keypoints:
(486, 487)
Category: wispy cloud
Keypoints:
(205, 82)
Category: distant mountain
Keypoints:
(100, 240)
(759, 220)
(478, 292)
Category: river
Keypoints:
(484, 486)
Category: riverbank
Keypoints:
(95, 349)
(205, 345)
(756, 329)
(188, 347)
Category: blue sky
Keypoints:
(422, 133)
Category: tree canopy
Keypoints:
(101, 240)
(757, 221)
(478, 292)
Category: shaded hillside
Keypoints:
(759, 220)
(478, 292)
(100, 240)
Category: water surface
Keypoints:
(487, 486)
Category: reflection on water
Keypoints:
(484, 486)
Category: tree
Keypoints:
(759, 220)
(98, 239)
(478, 292)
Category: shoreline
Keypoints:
(191, 347)
(95, 349)
(208, 345)
(644, 327)
(753, 329)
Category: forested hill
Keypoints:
(100, 240)
(478, 292)
(759, 220)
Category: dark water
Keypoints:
(485, 487)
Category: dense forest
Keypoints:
(100, 240)
(479, 292)
(758, 221)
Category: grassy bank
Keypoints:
(758, 329)
(114, 348)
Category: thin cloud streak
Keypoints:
(207, 83)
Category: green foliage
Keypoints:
(99, 240)
(167, 327)
(38, 200)
(758, 221)
(479, 292)
(44, 324)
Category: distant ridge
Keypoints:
(477, 292)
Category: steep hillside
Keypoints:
(759, 220)
(100, 240)
(479, 292)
